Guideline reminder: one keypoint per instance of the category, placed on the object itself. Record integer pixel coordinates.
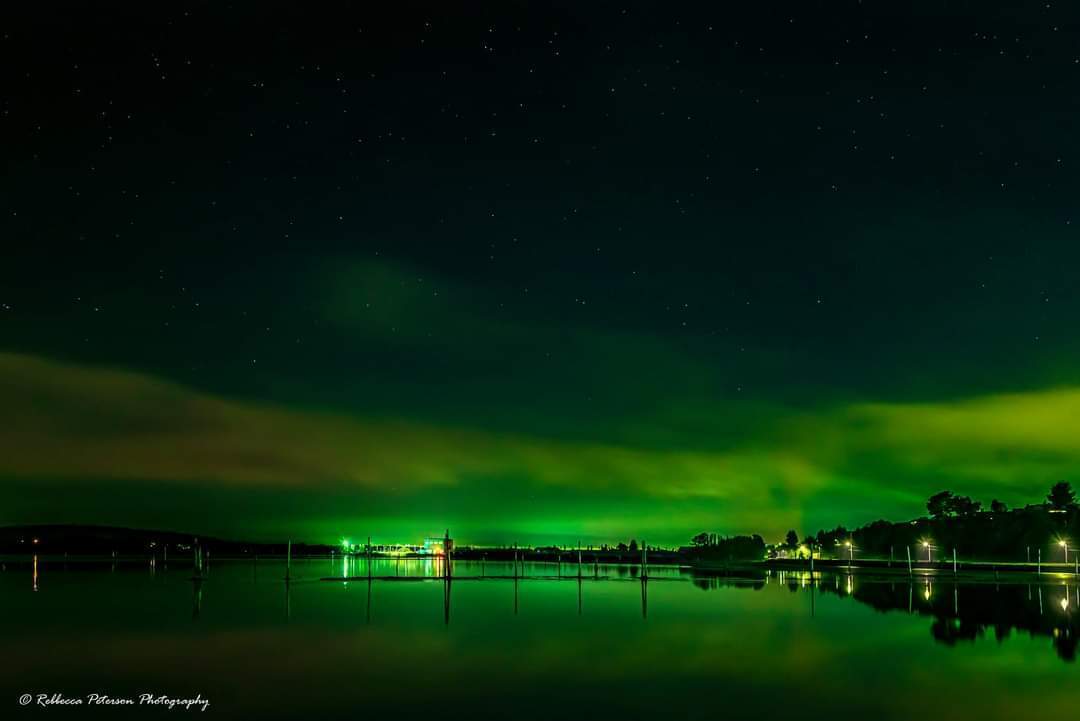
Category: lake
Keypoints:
(680, 645)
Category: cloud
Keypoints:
(1008, 439)
(75, 421)
(87, 425)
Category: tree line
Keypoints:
(954, 522)
(959, 522)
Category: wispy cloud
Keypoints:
(85, 424)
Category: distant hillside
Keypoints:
(86, 540)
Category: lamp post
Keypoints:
(1065, 547)
(928, 547)
(851, 552)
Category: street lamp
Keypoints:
(927, 546)
(1065, 545)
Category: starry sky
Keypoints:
(536, 272)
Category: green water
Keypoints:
(677, 646)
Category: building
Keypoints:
(437, 545)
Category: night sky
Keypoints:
(535, 271)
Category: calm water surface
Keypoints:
(773, 647)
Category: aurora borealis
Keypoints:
(535, 274)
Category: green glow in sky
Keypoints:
(720, 273)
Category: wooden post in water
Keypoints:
(579, 561)
(909, 560)
(644, 560)
(288, 559)
(644, 597)
(446, 555)
(954, 562)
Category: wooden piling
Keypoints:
(909, 560)
(446, 554)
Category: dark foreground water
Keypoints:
(676, 647)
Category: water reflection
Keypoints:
(673, 644)
(960, 612)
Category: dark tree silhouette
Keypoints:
(701, 539)
(1061, 495)
(633, 545)
(791, 539)
(939, 504)
(963, 506)
(997, 506)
